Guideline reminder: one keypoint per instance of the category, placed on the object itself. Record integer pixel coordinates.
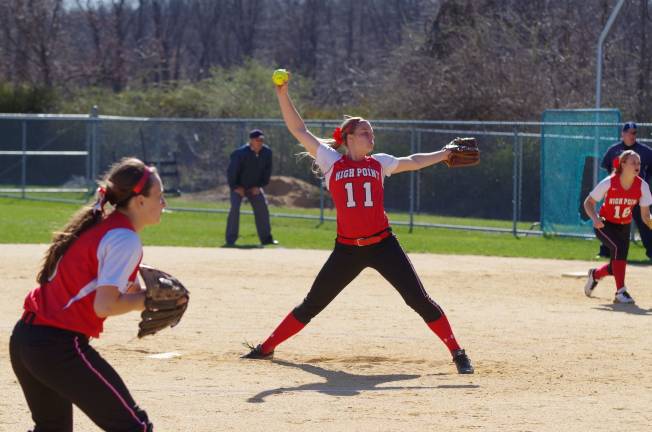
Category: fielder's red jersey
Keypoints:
(106, 254)
(618, 202)
(357, 190)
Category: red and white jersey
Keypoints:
(618, 202)
(357, 190)
(106, 254)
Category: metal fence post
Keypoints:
(520, 177)
(157, 145)
(89, 177)
(94, 159)
(23, 167)
(596, 152)
(418, 175)
(515, 182)
(412, 178)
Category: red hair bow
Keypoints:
(101, 200)
(337, 136)
(616, 163)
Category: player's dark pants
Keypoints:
(643, 230)
(57, 368)
(615, 237)
(346, 262)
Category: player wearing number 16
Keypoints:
(621, 191)
(364, 238)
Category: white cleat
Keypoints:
(622, 296)
(590, 284)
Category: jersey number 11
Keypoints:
(350, 202)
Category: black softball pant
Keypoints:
(57, 368)
(614, 237)
(346, 262)
(643, 230)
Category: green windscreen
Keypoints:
(568, 154)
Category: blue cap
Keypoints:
(255, 133)
(629, 125)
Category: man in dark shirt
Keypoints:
(250, 168)
(628, 142)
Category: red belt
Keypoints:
(365, 241)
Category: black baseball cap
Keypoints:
(255, 133)
(629, 125)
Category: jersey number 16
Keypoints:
(625, 214)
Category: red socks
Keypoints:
(286, 329)
(618, 270)
(442, 328)
(601, 272)
(291, 326)
(615, 268)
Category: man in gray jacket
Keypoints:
(250, 168)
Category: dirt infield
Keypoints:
(546, 357)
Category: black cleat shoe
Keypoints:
(256, 353)
(270, 242)
(462, 362)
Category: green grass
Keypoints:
(181, 202)
(24, 221)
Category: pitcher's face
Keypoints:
(362, 139)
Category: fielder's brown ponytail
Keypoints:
(124, 180)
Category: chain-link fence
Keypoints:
(50, 156)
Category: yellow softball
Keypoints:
(280, 77)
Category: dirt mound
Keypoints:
(292, 192)
(281, 191)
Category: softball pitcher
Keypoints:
(364, 237)
(621, 191)
(88, 274)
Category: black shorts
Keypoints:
(615, 237)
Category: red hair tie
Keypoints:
(616, 163)
(143, 180)
(101, 200)
(337, 136)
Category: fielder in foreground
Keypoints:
(88, 274)
(621, 191)
(364, 237)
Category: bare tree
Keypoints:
(169, 19)
(108, 27)
(408, 58)
(246, 15)
(206, 15)
(644, 108)
(33, 30)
